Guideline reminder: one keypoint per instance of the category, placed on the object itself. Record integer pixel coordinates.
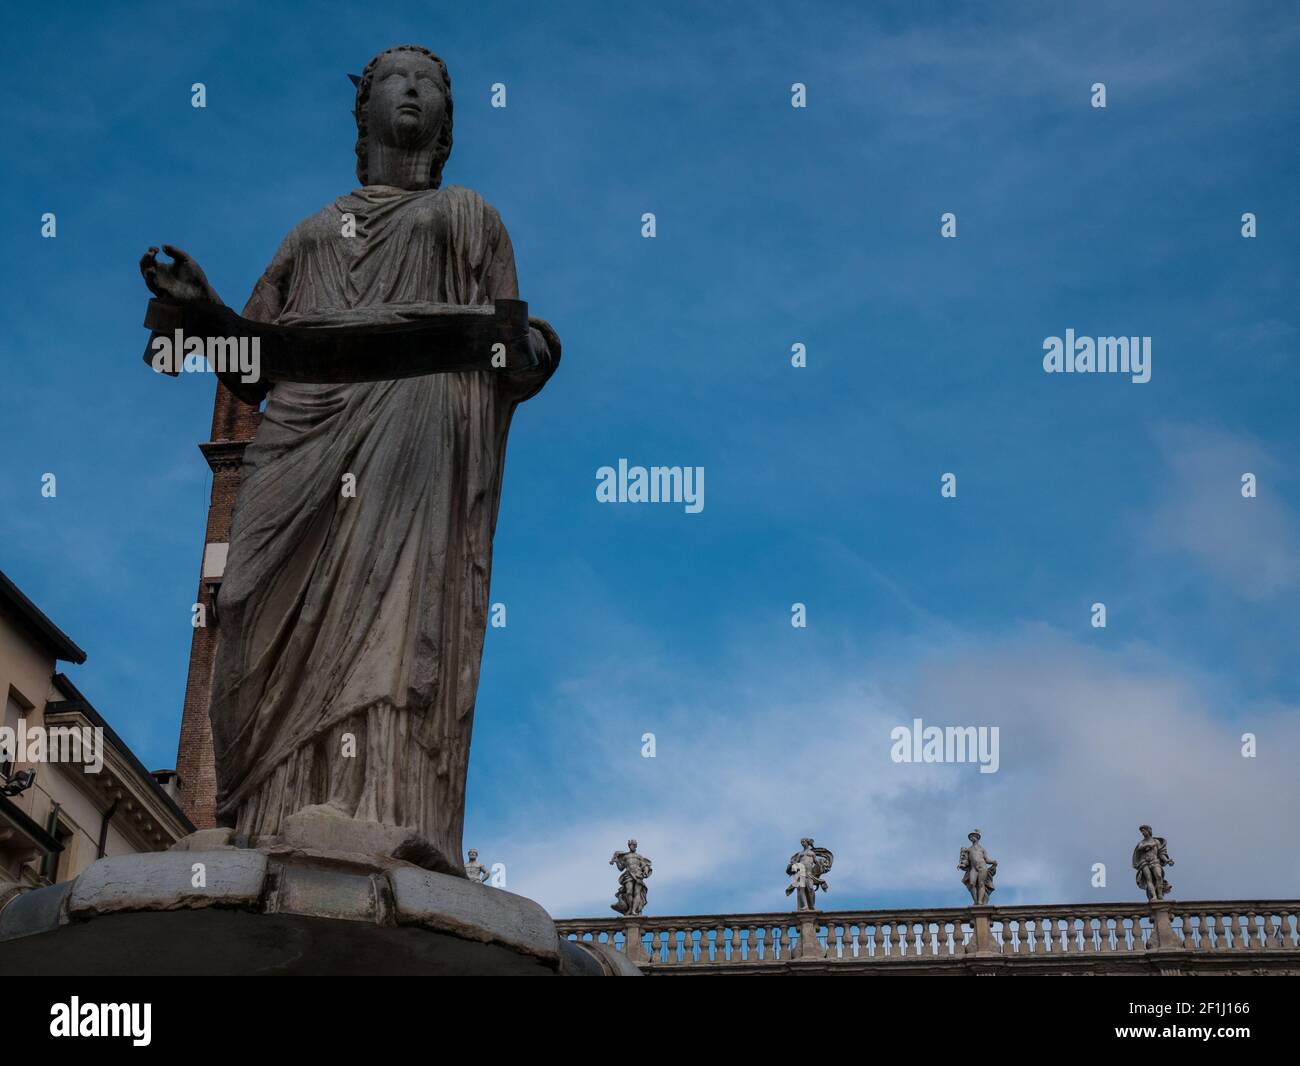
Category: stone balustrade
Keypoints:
(1233, 936)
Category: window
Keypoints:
(16, 708)
(65, 834)
(57, 865)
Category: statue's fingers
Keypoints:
(149, 271)
(177, 254)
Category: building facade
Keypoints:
(71, 791)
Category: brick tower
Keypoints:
(233, 426)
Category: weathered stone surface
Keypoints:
(1163, 937)
(37, 910)
(283, 911)
(10, 889)
(577, 962)
(205, 840)
(321, 828)
(397, 587)
(164, 880)
(457, 906)
(613, 963)
(327, 894)
(217, 941)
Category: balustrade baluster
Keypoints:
(1110, 942)
(1255, 923)
(1234, 928)
(1206, 931)
(1040, 935)
(1275, 935)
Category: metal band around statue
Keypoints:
(433, 339)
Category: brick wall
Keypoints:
(234, 424)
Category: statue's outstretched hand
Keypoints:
(182, 279)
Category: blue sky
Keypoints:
(775, 225)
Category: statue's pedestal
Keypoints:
(283, 910)
(809, 946)
(1163, 937)
(981, 945)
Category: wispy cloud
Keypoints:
(1252, 546)
(1092, 743)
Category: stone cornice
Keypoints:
(141, 812)
(224, 454)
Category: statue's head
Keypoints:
(1145, 830)
(631, 845)
(973, 835)
(472, 854)
(404, 101)
(806, 842)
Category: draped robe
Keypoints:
(365, 615)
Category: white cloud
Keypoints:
(1251, 545)
(1092, 744)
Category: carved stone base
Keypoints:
(981, 945)
(1163, 937)
(278, 910)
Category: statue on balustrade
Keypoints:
(978, 870)
(806, 868)
(634, 869)
(475, 870)
(1150, 858)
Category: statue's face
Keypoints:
(473, 855)
(407, 104)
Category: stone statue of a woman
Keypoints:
(351, 624)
